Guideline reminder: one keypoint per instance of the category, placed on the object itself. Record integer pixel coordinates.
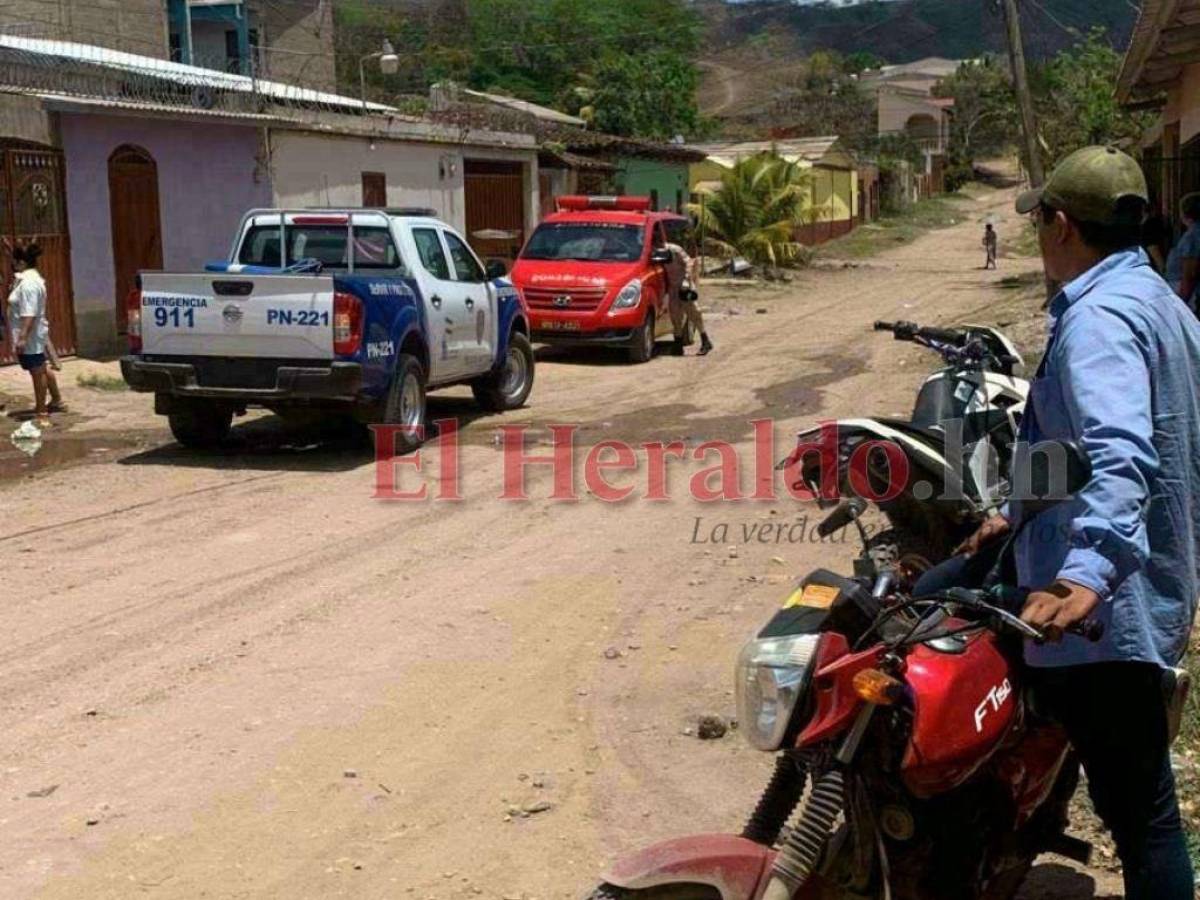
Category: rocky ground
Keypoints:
(242, 675)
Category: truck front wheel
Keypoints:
(199, 425)
(405, 405)
(510, 385)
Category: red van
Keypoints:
(594, 273)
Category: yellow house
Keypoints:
(833, 196)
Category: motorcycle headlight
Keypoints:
(629, 296)
(772, 676)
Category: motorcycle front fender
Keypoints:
(735, 867)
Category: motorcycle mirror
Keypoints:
(1049, 473)
(846, 512)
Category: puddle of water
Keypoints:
(59, 451)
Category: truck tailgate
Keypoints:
(261, 316)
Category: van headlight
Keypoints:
(629, 296)
(772, 675)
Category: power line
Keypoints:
(1071, 30)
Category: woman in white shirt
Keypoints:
(30, 330)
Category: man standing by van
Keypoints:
(682, 277)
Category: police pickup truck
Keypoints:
(359, 311)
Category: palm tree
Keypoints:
(755, 212)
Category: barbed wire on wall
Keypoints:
(214, 82)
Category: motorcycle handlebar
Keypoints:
(1002, 620)
(908, 331)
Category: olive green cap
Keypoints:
(1088, 186)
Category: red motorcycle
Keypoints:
(913, 763)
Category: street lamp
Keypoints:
(389, 64)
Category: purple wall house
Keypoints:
(201, 177)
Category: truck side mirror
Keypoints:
(496, 269)
(660, 256)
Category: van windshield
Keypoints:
(592, 242)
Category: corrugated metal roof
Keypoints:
(178, 73)
(811, 149)
(1155, 15)
(544, 113)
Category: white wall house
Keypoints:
(416, 165)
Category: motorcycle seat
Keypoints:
(930, 434)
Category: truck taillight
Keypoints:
(347, 324)
(133, 320)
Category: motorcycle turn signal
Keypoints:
(878, 687)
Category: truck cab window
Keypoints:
(374, 248)
(466, 267)
(433, 257)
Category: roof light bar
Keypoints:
(577, 203)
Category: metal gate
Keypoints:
(33, 209)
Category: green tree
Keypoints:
(648, 95)
(985, 109)
(1075, 100)
(860, 61)
(538, 50)
(756, 210)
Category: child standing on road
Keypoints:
(990, 244)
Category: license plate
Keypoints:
(556, 325)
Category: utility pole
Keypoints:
(1016, 55)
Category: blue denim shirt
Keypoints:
(1121, 374)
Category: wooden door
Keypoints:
(136, 221)
(374, 189)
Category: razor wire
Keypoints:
(266, 83)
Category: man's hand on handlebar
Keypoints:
(1059, 607)
(991, 530)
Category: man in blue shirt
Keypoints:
(1121, 376)
(1183, 263)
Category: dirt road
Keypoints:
(241, 676)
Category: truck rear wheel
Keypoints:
(508, 387)
(641, 347)
(200, 425)
(405, 404)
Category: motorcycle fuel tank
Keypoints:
(964, 702)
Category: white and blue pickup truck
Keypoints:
(358, 311)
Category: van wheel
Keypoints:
(641, 348)
(200, 426)
(405, 404)
(509, 386)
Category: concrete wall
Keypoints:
(834, 194)
(316, 170)
(298, 41)
(638, 177)
(208, 175)
(25, 119)
(134, 26)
